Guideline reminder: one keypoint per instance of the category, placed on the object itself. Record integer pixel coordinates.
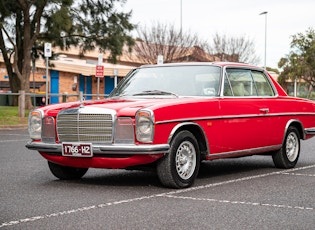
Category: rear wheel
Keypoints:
(66, 173)
(288, 155)
(179, 168)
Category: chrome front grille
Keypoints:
(93, 125)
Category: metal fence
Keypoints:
(7, 99)
(38, 99)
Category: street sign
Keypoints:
(99, 71)
(160, 60)
(100, 59)
(47, 50)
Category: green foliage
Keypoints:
(90, 24)
(25, 26)
(272, 69)
(300, 62)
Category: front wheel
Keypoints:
(288, 155)
(179, 168)
(66, 173)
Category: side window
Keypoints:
(262, 84)
(240, 83)
(227, 87)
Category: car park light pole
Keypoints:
(265, 13)
(181, 16)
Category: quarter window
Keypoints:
(263, 86)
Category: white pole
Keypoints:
(47, 54)
(295, 87)
(181, 16)
(99, 62)
(115, 77)
(33, 71)
(46, 101)
(265, 13)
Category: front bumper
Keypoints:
(119, 149)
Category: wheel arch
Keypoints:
(298, 125)
(197, 131)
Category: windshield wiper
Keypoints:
(155, 92)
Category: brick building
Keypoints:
(71, 73)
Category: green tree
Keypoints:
(300, 62)
(26, 24)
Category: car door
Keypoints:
(244, 124)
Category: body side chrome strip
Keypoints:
(235, 117)
(243, 152)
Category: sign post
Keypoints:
(99, 72)
(160, 60)
(47, 54)
(115, 77)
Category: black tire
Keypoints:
(288, 155)
(66, 173)
(179, 168)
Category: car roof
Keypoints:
(221, 64)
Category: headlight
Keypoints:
(144, 126)
(35, 124)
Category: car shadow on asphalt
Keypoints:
(208, 170)
(117, 177)
(233, 166)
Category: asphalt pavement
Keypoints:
(241, 193)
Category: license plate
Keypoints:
(77, 149)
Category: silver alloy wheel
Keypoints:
(292, 146)
(185, 160)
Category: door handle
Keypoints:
(264, 110)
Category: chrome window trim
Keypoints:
(223, 76)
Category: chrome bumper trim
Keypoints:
(309, 131)
(104, 149)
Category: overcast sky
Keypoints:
(235, 18)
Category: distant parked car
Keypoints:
(172, 117)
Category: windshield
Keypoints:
(171, 80)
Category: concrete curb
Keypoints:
(12, 127)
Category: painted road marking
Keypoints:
(241, 202)
(171, 195)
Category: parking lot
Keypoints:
(241, 193)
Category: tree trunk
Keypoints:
(15, 86)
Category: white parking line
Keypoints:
(299, 174)
(170, 195)
(4, 141)
(83, 209)
(241, 179)
(241, 202)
